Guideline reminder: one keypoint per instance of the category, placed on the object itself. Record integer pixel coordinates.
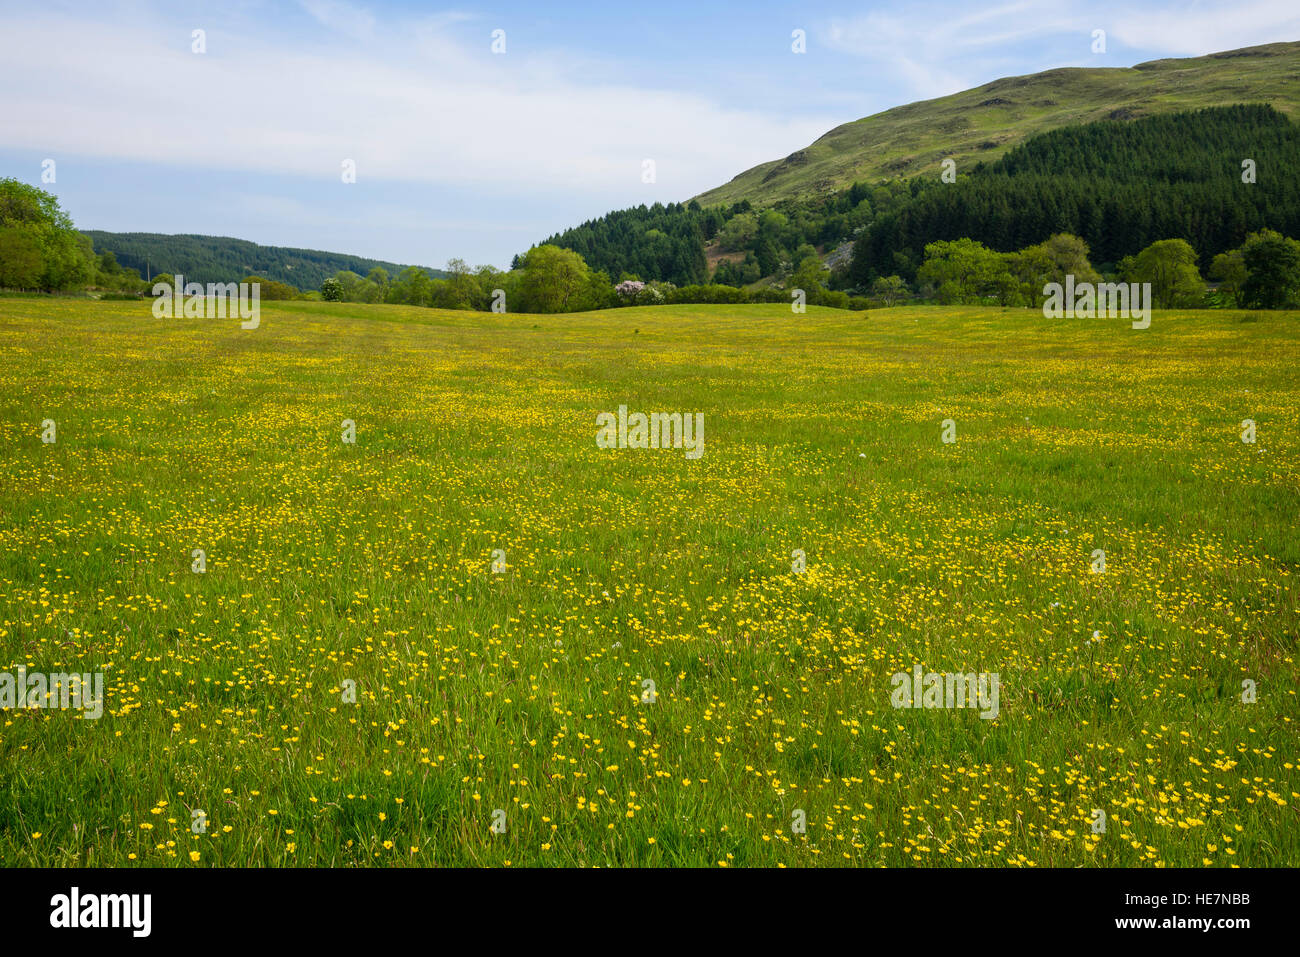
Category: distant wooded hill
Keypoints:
(987, 121)
(1120, 184)
(222, 259)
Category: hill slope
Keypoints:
(222, 259)
(1118, 186)
(983, 123)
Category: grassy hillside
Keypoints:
(222, 259)
(524, 691)
(983, 123)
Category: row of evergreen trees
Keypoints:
(655, 242)
(1210, 177)
(667, 243)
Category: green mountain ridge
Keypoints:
(984, 122)
(225, 259)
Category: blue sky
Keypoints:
(463, 152)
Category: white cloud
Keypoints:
(340, 16)
(943, 47)
(1194, 29)
(410, 101)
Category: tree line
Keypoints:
(1209, 177)
(550, 278)
(669, 243)
(1262, 273)
(1213, 185)
(221, 259)
(39, 248)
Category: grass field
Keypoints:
(329, 563)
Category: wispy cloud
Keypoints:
(942, 47)
(463, 152)
(1191, 29)
(345, 18)
(411, 100)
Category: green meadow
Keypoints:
(474, 637)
